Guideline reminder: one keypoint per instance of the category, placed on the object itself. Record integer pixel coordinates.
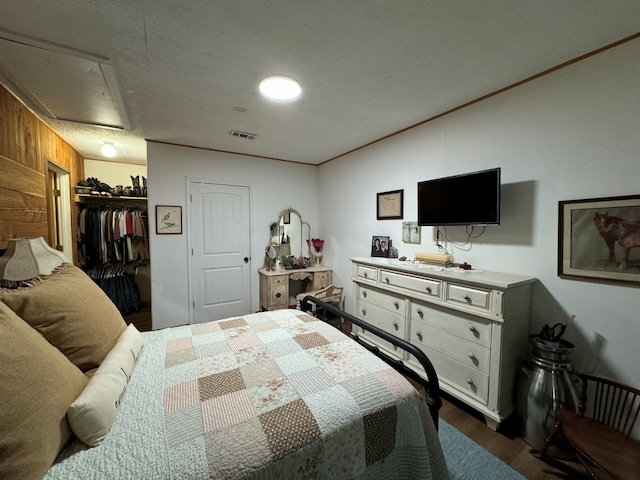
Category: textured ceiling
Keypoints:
(186, 72)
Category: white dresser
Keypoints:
(473, 326)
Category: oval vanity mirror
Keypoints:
(289, 235)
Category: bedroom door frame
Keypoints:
(192, 270)
(59, 208)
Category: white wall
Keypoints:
(114, 173)
(274, 185)
(572, 134)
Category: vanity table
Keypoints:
(275, 284)
(289, 239)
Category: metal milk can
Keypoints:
(548, 384)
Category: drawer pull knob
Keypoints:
(395, 325)
(472, 328)
(419, 335)
(364, 312)
(364, 293)
(467, 298)
(365, 275)
(386, 279)
(428, 289)
(469, 381)
(395, 347)
(397, 305)
(420, 313)
(278, 295)
(471, 356)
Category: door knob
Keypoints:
(246, 259)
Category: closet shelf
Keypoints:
(85, 197)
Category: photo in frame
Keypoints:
(599, 239)
(380, 246)
(410, 232)
(168, 219)
(390, 205)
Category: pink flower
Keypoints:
(317, 244)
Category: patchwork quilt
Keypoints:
(272, 395)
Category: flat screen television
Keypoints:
(468, 199)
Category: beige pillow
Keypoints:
(37, 385)
(72, 312)
(94, 411)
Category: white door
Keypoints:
(220, 236)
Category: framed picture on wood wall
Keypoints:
(168, 219)
(599, 239)
(390, 205)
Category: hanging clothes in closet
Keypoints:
(112, 242)
(119, 285)
(110, 236)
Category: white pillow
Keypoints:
(94, 411)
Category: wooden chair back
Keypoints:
(609, 402)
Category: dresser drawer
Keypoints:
(367, 273)
(321, 280)
(466, 326)
(468, 353)
(425, 286)
(386, 300)
(471, 297)
(278, 291)
(385, 320)
(467, 379)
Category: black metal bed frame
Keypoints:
(431, 384)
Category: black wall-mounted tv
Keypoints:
(468, 199)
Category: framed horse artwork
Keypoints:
(599, 239)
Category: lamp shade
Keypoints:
(28, 258)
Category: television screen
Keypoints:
(468, 199)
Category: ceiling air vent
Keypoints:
(239, 134)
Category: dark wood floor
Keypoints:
(142, 318)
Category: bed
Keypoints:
(270, 395)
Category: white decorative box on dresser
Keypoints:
(473, 326)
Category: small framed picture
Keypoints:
(380, 246)
(390, 205)
(599, 239)
(168, 219)
(410, 232)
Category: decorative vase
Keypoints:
(318, 258)
(315, 250)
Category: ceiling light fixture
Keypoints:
(108, 150)
(279, 87)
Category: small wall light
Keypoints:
(279, 87)
(108, 150)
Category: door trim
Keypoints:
(187, 228)
(64, 217)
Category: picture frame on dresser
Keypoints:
(390, 205)
(380, 245)
(599, 239)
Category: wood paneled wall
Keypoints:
(27, 144)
